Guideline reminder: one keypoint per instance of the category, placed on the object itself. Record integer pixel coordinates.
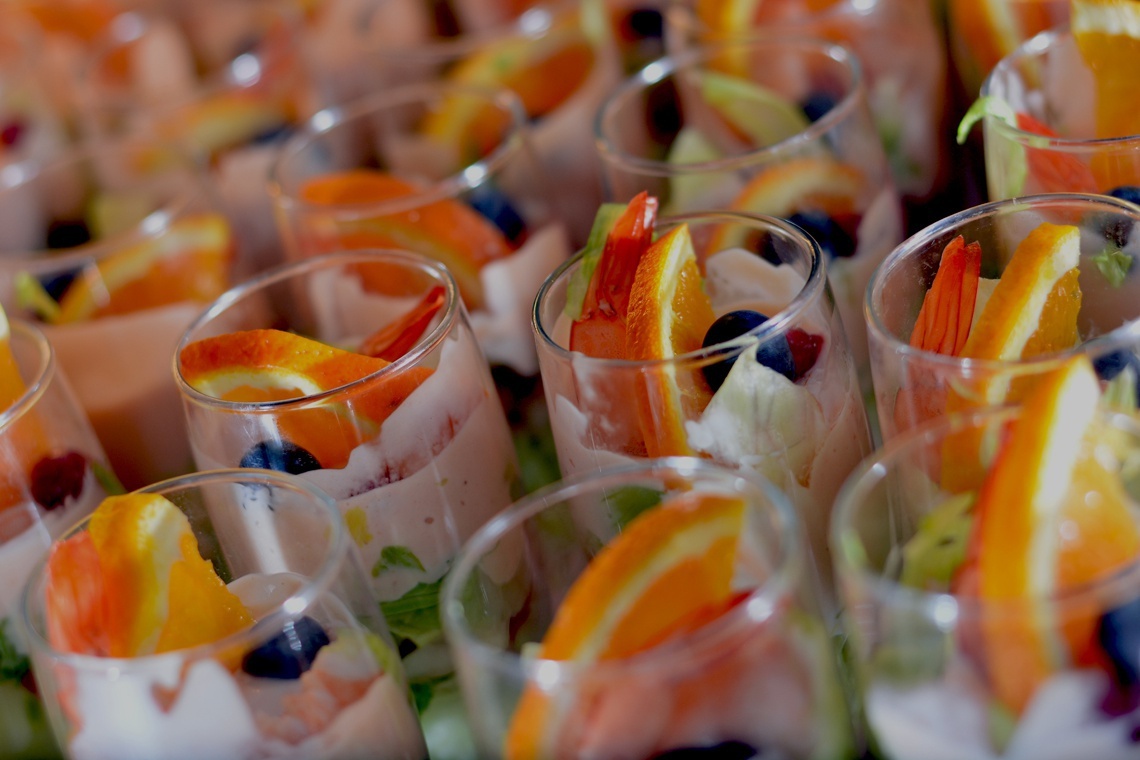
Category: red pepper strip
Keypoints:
(1055, 171)
(969, 294)
(397, 338)
(944, 320)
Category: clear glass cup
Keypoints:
(52, 473)
(805, 436)
(1048, 79)
(925, 657)
(760, 678)
(721, 128)
(391, 171)
(913, 385)
(412, 488)
(114, 247)
(558, 57)
(281, 547)
(899, 47)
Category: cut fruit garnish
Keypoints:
(188, 262)
(992, 29)
(258, 366)
(1108, 35)
(397, 338)
(670, 571)
(227, 119)
(446, 230)
(1050, 517)
(669, 314)
(757, 116)
(135, 584)
(12, 385)
(947, 311)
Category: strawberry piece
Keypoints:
(805, 348)
(943, 322)
(397, 338)
(1055, 171)
(77, 598)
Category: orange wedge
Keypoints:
(673, 564)
(669, 314)
(1050, 517)
(992, 29)
(446, 230)
(258, 366)
(188, 262)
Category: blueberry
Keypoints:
(646, 23)
(724, 751)
(835, 241)
(68, 234)
(56, 285)
(1130, 193)
(773, 353)
(1118, 633)
(55, 479)
(493, 204)
(1109, 366)
(283, 457)
(288, 654)
(818, 104)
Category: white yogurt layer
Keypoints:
(947, 720)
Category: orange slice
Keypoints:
(1050, 517)
(672, 565)
(188, 262)
(992, 29)
(669, 314)
(258, 366)
(446, 230)
(226, 119)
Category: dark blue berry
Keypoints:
(56, 285)
(283, 457)
(1109, 366)
(1118, 633)
(818, 104)
(288, 654)
(723, 751)
(774, 353)
(276, 133)
(68, 234)
(646, 23)
(56, 479)
(1130, 193)
(493, 205)
(835, 241)
(1118, 228)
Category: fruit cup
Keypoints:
(739, 127)
(656, 609)
(224, 80)
(898, 45)
(996, 617)
(1069, 259)
(393, 170)
(52, 473)
(1059, 115)
(559, 58)
(114, 247)
(220, 614)
(408, 437)
(758, 377)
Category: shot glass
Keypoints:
(1041, 133)
(317, 639)
(723, 127)
(913, 385)
(804, 432)
(417, 454)
(53, 473)
(754, 675)
(899, 47)
(395, 170)
(114, 247)
(933, 658)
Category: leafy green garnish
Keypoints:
(604, 221)
(990, 105)
(936, 551)
(1008, 166)
(107, 479)
(423, 691)
(396, 556)
(415, 615)
(1113, 264)
(628, 502)
(14, 664)
(538, 459)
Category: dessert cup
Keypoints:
(805, 435)
(928, 660)
(913, 385)
(114, 246)
(395, 170)
(54, 473)
(722, 127)
(759, 678)
(281, 547)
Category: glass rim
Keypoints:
(686, 19)
(1099, 345)
(873, 470)
(471, 176)
(1037, 45)
(312, 588)
(814, 287)
(759, 605)
(449, 316)
(670, 65)
(45, 372)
